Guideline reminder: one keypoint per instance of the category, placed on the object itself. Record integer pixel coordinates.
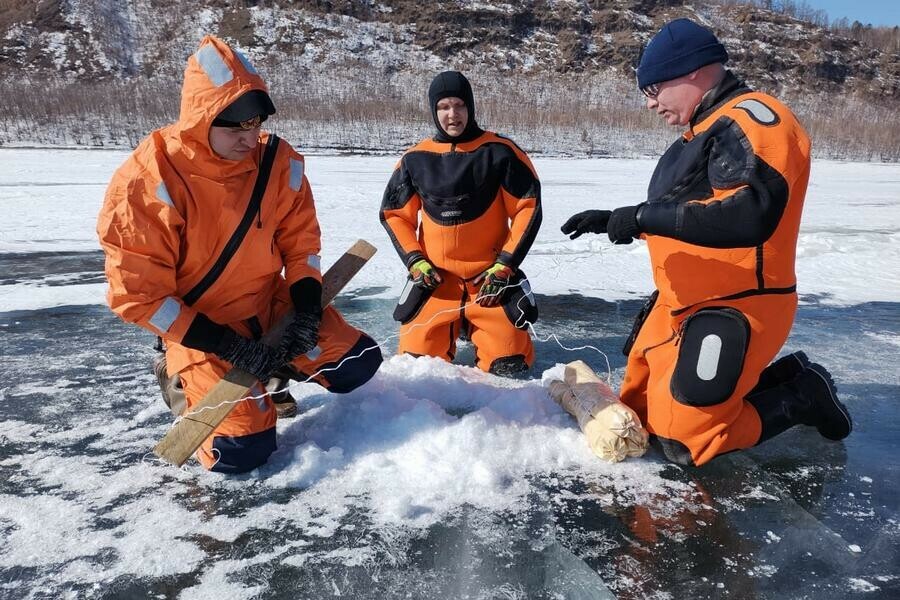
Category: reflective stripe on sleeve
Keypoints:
(213, 65)
(296, 174)
(166, 314)
(314, 261)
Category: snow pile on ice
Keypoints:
(421, 442)
(426, 437)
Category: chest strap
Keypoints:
(234, 242)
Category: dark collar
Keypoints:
(728, 88)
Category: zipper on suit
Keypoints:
(675, 334)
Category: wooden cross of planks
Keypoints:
(183, 439)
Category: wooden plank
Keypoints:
(183, 439)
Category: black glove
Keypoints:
(300, 336)
(589, 221)
(623, 225)
(254, 357)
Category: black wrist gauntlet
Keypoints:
(300, 336)
(254, 357)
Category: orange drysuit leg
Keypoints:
(433, 331)
(693, 425)
(637, 373)
(246, 438)
(346, 357)
(494, 335)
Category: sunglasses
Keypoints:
(651, 91)
(245, 125)
(252, 122)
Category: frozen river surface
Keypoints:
(435, 480)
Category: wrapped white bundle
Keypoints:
(612, 429)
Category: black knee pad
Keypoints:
(243, 453)
(411, 301)
(519, 303)
(710, 356)
(355, 371)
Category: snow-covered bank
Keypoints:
(50, 199)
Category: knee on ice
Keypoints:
(362, 361)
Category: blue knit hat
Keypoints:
(679, 48)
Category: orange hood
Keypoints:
(215, 77)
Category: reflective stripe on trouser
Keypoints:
(433, 331)
(247, 446)
(703, 431)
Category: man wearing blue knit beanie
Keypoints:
(721, 221)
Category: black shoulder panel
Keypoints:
(730, 156)
(458, 187)
(720, 157)
(518, 179)
(680, 175)
(398, 191)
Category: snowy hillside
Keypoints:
(555, 75)
(96, 39)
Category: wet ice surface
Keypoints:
(434, 480)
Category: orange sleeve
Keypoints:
(521, 192)
(399, 215)
(298, 237)
(140, 232)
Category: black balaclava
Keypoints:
(453, 84)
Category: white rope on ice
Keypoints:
(381, 345)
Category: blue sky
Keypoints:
(876, 12)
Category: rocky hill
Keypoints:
(354, 49)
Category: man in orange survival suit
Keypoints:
(721, 222)
(462, 209)
(189, 257)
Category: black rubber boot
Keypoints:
(285, 405)
(810, 398)
(509, 366)
(832, 418)
(784, 369)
